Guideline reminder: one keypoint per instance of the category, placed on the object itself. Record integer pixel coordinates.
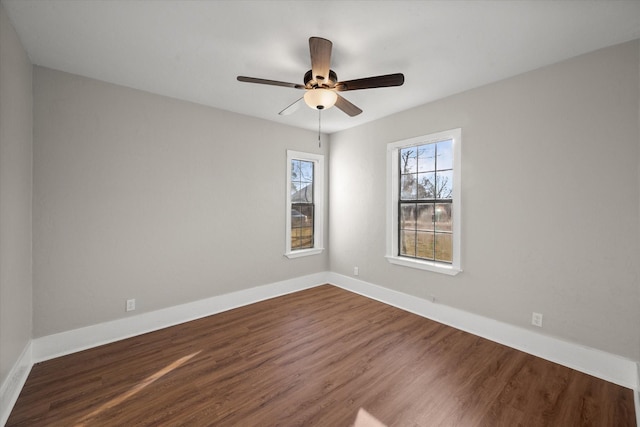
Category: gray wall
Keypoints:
(15, 197)
(550, 200)
(142, 196)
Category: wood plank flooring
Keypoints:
(314, 358)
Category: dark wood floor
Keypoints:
(314, 358)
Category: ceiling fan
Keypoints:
(321, 82)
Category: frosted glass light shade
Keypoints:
(320, 99)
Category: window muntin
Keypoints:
(425, 203)
(304, 204)
(423, 219)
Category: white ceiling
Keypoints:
(193, 50)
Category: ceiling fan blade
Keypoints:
(347, 107)
(292, 108)
(386, 80)
(320, 50)
(269, 82)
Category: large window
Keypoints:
(305, 198)
(423, 226)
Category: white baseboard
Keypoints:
(600, 364)
(68, 342)
(12, 385)
(636, 397)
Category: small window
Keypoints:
(305, 176)
(423, 228)
(302, 205)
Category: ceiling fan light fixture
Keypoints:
(320, 99)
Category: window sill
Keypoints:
(424, 265)
(303, 252)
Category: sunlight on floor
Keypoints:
(139, 387)
(365, 419)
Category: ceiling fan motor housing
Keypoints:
(310, 82)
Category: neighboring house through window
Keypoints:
(305, 197)
(423, 225)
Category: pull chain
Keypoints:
(319, 115)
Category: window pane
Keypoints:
(302, 194)
(301, 215)
(301, 171)
(425, 245)
(408, 187)
(306, 171)
(442, 218)
(426, 185)
(301, 181)
(425, 217)
(305, 237)
(444, 247)
(307, 211)
(426, 158)
(408, 243)
(408, 216)
(295, 170)
(444, 185)
(408, 159)
(297, 218)
(308, 221)
(296, 173)
(295, 238)
(445, 155)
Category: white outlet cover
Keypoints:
(536, 319)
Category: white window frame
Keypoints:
(393, 189)
(318, 201)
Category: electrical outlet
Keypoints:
(131, 304)
(356, 271)
(536, 319)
